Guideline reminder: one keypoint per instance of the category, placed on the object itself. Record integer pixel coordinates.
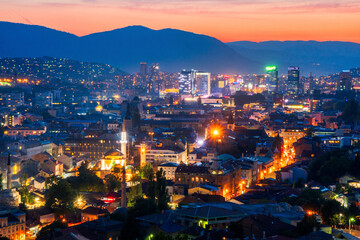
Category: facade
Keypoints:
(94, 148)
(169, 170)
(344, 81)
(225, 174)
(187, 81)
(92, 213)
(12, 100)
(24, 131)
(44, 99)
(12, 223)
(293, 80)
(158, 156)
(203, 86)
(208, 217)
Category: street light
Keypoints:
(350, 220)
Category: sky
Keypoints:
(227, 20)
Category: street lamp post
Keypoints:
(350, 220)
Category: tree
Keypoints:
(329, 212)
(147, 171)
(351, 111)
(25, 195)
(307, 225)
(161, 191)
(332, 165)
(60, 197)
(46, 232)
(87, 180)
(112, 182)
(135, 191)
(309, 132)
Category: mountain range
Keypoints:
(175, 50)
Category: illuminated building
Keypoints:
(187, 81)
(24, 131)
(142, 155)
(12, 223)
(208, 217)
(158, 156)
(12, 100)
(202, 85)
(169, 170)
(273, 79)
(111, 159)
(44, 99)
(93, 148)
(293, 80)
(344, 81)
(225, 173)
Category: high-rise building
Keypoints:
(187, 82)
(273, 78)
(293, 80)
(143, 69)
(202, 85)
(344, 81)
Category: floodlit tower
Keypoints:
(142, 155)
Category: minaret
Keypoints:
(123, 141)
(9, 173)
(123, 188)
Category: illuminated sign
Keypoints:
(271, 68)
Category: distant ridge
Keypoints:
(311, 56)
(175, 50)
(125, 48)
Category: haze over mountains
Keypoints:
(175, 50)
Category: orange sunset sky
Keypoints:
(227, 20)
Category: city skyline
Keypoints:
(227, 21)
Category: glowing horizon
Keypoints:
(226, 20)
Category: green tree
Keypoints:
(162, 194)
(330, 211)
(112, 182)
(87, 180)
(161, 236)
(24, 192)
(135, 191)
(147, 172)
(60, 197)
(332, 165)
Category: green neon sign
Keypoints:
(271, 68)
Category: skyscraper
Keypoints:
(143, 69)
(202, 85)
(187, 82)
(344, 81)
(293, 80)
(273, 79)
